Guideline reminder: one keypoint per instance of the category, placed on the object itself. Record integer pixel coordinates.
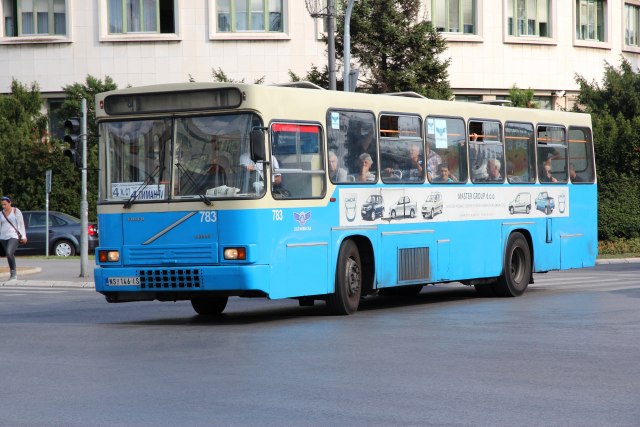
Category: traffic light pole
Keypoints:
(84, 205)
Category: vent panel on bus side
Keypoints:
(413, 264)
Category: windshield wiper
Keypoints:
(148, 180)
(186, 173)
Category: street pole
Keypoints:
(84, 205)
(47, 191)
(347, 46)
(331, 40)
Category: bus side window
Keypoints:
(520, 152)
(401, 149)
(350, 134)
(446, 145)
(552, 154)
(581, 155)
(486, 151)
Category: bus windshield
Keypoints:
(181, 158)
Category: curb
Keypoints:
(617, 261)
(46, 284)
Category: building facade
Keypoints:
(493, 44)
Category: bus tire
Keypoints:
(209, 306)
(516, 270)
(348, 284)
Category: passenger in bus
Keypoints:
(443, 174)
(362, 141)
(493, 170)
(251, 166)
(433, 160)
(416, 162)
(365, 162)
(572, 173)
(336, 174)
(545, 174)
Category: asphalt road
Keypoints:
(564, 354)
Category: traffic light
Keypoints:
(72, 137)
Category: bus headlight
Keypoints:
(109, 256)
(235, 254)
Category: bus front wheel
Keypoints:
(516, 272)
(209, 306)
(348, 285)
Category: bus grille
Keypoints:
(413, 264)
(179, 278)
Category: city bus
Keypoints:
(214, 190)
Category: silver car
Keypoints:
(404, 207)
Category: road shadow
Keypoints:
(433, 295)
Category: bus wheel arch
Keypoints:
(353, 277)
(517, 265)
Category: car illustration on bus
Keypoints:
(373, 207)
(404, 207)
(562, 203)
(545, 203)
(432, 205)
(350, 206)
(522, 203)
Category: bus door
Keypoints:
(300, 225)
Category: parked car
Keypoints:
(404, 207)
(64, 234)
(522, 203)
(432, 205)
(545, 203)
(373, 207)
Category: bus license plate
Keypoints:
(124, 281)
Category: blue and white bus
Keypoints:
(213, 190)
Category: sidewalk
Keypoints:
(39, 273)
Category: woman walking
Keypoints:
(12, 233)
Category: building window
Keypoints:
(454, 16)
(141, 16)
(590, 20)
(468, 98)
(249, 15)
(529, 18)
(34, 17)
(631, 25)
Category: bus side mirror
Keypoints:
(256, 141)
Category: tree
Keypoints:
(522, 97)
(395, 49)
(615, 112)
(27, 153)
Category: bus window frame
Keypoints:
(408, 139)
(464, 157)
(283, 171)
(590, 152)
(552, 144)
(342, 158)
(501, 142)
(534, 178)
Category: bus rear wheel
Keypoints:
(348, 285)
(209, 306)
(516, 272)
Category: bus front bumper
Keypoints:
(122, 284)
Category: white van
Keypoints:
(432, 205)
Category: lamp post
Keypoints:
(347, 47)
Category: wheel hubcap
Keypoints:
(353, 277)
